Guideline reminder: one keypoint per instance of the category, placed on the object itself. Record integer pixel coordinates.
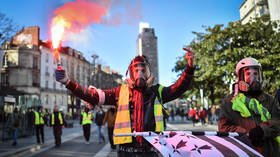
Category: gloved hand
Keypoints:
(189, 57)
(256, 136)
(61, 76)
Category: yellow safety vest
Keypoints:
(158, 111)
(86, 118)
(123, 123)
(38, 118)
(239, 104)
(59, 117)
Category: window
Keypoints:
(47, 71)
(47, 84)
(47, 58)
(47, 99)
(35, 62)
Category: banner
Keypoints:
(185, 144)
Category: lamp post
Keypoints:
(94, 57)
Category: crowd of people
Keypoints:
(138, 106)
(195, 114)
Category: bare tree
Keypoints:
(7, 28)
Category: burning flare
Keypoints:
(57, 30)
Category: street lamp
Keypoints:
(94, 57)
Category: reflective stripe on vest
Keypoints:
(240, 103)
(38, 118)
(59, 117)
(86, 118)
(158, 111)
(122, 123)
(158, 116)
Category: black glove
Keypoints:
(61, 76)
(256, 136)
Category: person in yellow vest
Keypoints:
(139, 102)
(57, 122)
(251, 111)
(39, 125)
(86, 121)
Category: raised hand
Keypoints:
(189, 56)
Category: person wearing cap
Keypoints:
(139, 102)
(57, 121)
(250, 111)
(39, 125)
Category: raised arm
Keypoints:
(183, 83)
(89, 94)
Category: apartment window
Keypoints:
(35, 62)
(35, 80)
(47, 58)
(47, 99)
(47, 84)
(47, 71)
(5, 61)
(4, 79)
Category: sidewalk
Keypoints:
(30, 142)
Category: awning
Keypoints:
(10, 91)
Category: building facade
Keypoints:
(251, 9)
(28, 79)
(20, 80)
(274, 10)
(106, 78)
(147, 45)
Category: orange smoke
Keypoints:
(81, 14)
(73, 17)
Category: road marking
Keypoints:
(172, 127)
(105, 151)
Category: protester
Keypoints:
(99, 117)
(86, 120)
(192, 114)
(57, 122)
(14, 122)
(249, 110)
(139, 102)
(39, 125)
(110, 118)
(202, 114)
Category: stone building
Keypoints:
(147, 45)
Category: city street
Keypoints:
(73, 143)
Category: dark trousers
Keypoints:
(39, 129)
(86, 129)
(57, 132)
(110, 136)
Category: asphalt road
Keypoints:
(77, 148)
